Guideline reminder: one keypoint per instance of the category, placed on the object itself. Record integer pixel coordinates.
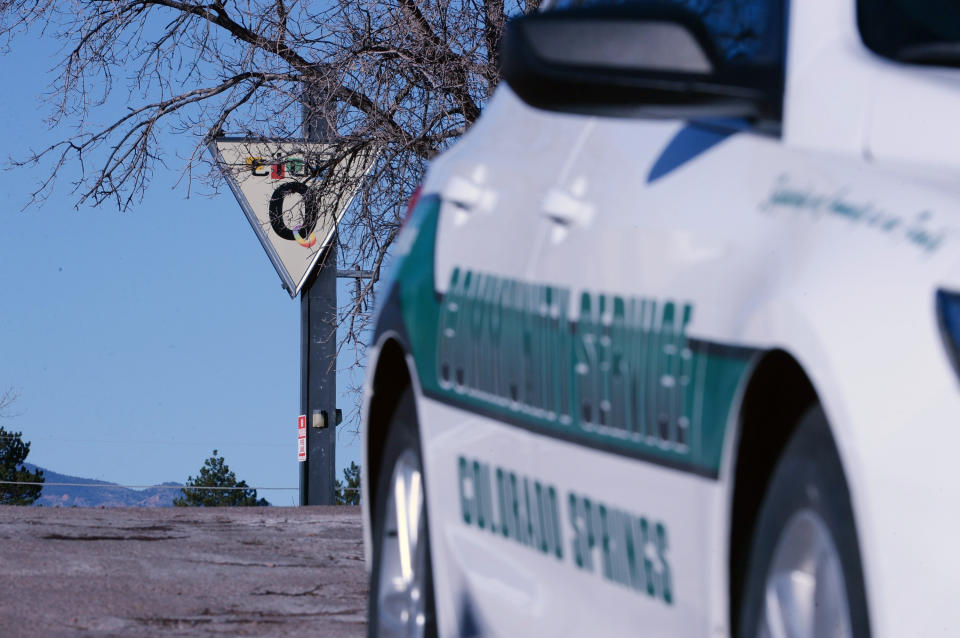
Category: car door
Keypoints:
(657, 263)
(488, 236)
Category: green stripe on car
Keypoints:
(621, 375)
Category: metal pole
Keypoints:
(304, 386)
(318, 357)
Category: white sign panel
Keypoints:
(302, 437)
(276, 184)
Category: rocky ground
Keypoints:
(258, 571)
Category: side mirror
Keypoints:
(647, 60)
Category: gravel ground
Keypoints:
(256, 571)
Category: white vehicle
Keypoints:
(672, 345)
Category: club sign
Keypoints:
(277, 186)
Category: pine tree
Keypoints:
(216, 473)
(348, 494)
(13, 452)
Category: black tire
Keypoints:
(403, 440)
(808, 481)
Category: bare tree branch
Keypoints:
(7, 398)
(404, 76)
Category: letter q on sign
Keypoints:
(303, 234)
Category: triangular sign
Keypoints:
(274, 182)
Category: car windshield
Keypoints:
(917, 31)
(744, 31)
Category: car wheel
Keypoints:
(804, 576)
(401, 588)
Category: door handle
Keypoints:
(566, 209)
(463, 193)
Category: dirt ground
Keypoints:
(257, 571)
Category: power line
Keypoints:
(143, 487)
(134, 442)
(158, 487)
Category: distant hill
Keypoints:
(56, 496)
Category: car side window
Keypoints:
(912, 31)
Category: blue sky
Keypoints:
(141, 341)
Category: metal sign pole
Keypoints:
(318, 357)
(318, 314)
